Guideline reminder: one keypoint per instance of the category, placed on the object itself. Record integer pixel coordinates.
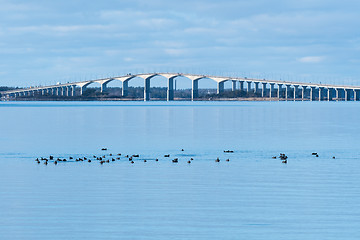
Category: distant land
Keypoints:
(137, 94)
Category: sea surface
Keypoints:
(252, 196)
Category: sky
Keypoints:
(44, 42)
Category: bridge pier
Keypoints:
(287, 91)
(303, 92)
(73, 91)
(147, 89)
(103, 87)
(271, 90)
(329, 94)
(256, 89)
(337, 94)
(125, 88)
(279, 90)
(347, 94)
(241, 85)
(220, 87)
(295, 91)
(170, 90)
(312, 97)
(82, 90)
(248, 86)
(320, 93)
(233, 85)
(263, 92)
(356, 95)
(195, 90)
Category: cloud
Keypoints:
(311, 59)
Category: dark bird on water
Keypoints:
(217, 160)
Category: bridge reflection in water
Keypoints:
(272, 89)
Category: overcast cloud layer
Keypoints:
(43, 42)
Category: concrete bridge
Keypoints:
(272, 89)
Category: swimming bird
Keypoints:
(156, 160)
(217, 160)
(145, 160)
(167, 155)
(89, 160)
(182, 150)
(51, 157)
(228, 160)
(189, 161)
(55, 162)
(333, 157)
(175, 160)
(103, 149)
(132, 162)
(285, 161)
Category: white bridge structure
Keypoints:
(273, 89)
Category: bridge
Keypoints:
(273, 89)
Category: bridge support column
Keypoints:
(330, 94)
(279, 90)
(337, 94)
(347, 95)
(356, 95)
(82, 90)
(248, 86)
(233, 85)
(68, 91)
(195, 90)
(170, 90)
(295, 91)
(263, 90)
(303, 92)
(287, 91)
(320, 93)
(241, 85)
(125, 88)
(103, 87)
(271, 90)
(147, 89)
(256, 87)
(73, 91)
(312, 97)
(220, 87)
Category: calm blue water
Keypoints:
(251, 197)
